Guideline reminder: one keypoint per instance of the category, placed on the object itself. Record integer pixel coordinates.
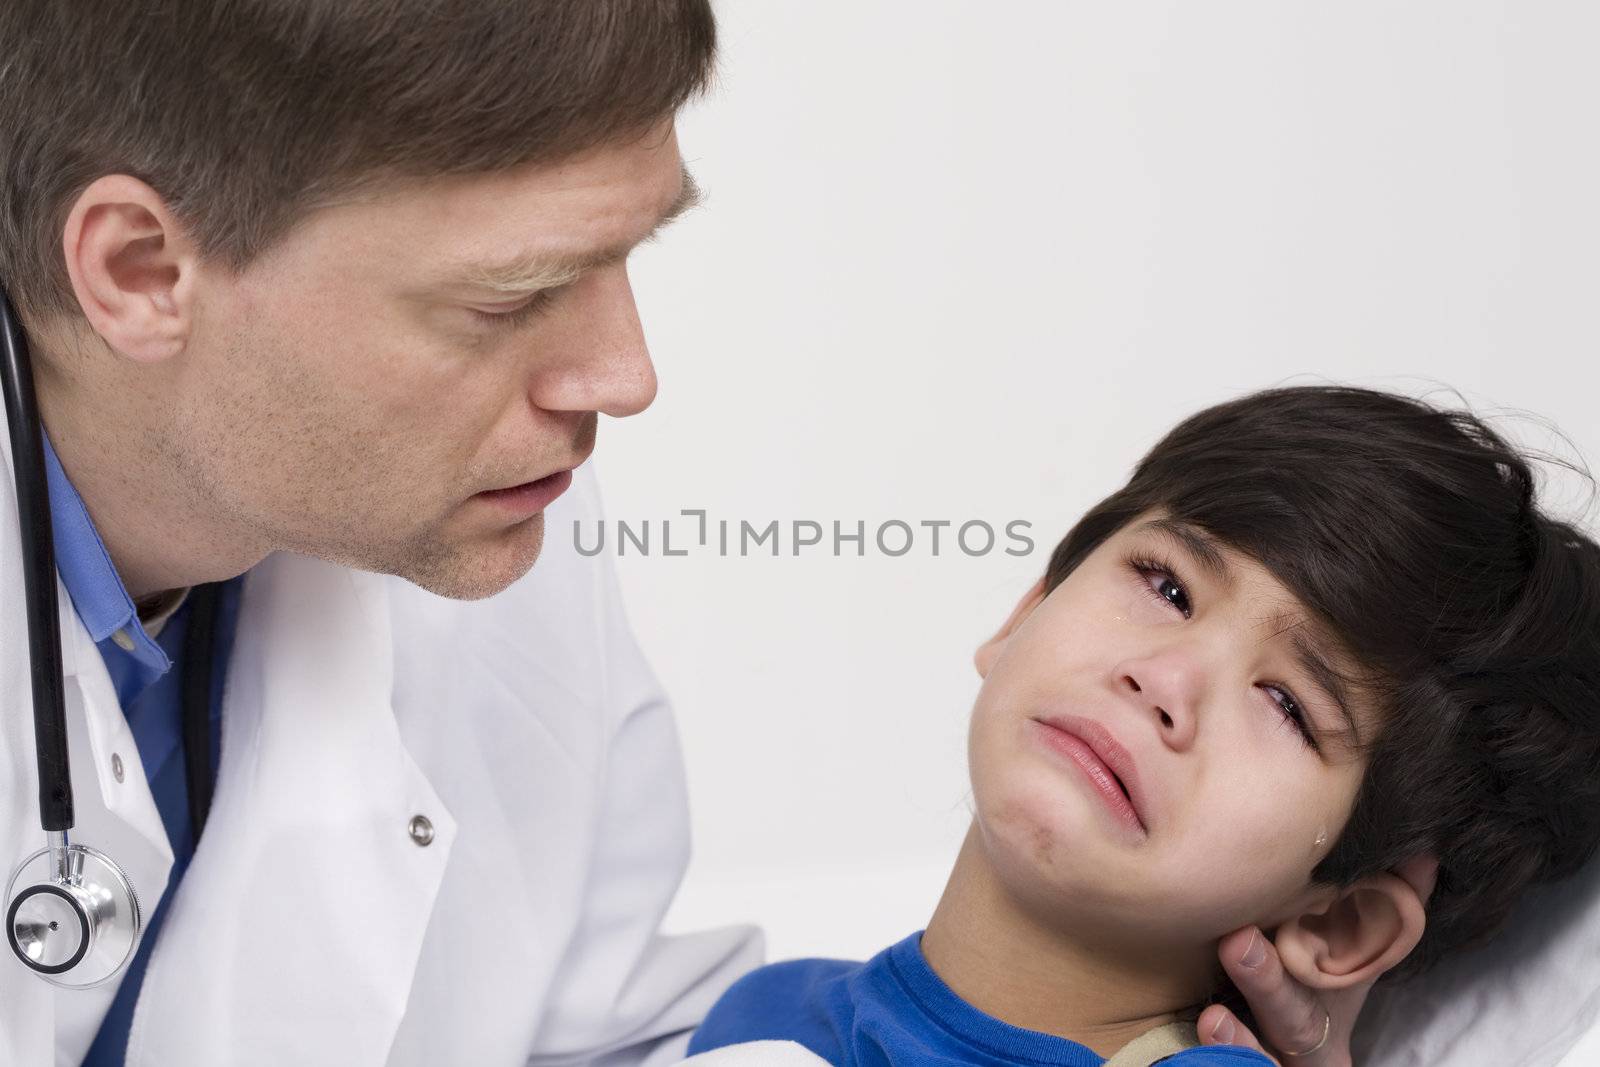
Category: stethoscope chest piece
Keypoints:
(73, 917)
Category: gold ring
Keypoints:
(1327, 1025)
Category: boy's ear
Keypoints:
(1356, 935)
(989, 651)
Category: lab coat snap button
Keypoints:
(116, 766)
(421, 831)
(122, 640)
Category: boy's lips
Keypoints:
(1104, 747)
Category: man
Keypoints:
(324, 300)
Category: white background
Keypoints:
(968, 261)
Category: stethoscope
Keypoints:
(71, 913)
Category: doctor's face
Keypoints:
(370, 380)
(1184, 678)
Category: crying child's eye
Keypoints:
(1161, 581)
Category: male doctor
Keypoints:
(324, 301)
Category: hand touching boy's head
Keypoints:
(1320, 631)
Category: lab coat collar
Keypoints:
(110, 745)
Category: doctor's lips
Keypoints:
(1108, 766)
(530, 498)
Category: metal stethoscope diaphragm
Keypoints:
(73, 916)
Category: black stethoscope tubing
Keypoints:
(199, 649)
(38, 575)
(56, 814)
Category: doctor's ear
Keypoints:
(1352, 935)
(132, 268)
(989, 651)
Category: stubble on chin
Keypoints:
(476, 569)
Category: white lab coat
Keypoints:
(311, 928)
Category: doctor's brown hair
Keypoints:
(1411, 533)
(246, 114)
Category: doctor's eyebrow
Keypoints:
(1307, 640)
(530, 272)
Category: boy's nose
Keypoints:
(1167, 688)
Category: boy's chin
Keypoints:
(1052, 852)
(1060, 865)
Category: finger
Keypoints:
(1422, 873)
(1219, 1026)
(1288, 1015)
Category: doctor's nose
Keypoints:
(1166, 686)
(598, 359)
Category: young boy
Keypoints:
(1321, 630)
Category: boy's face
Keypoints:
(1191, 670)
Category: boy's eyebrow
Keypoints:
(1308, 646)
(530, 272)
(1197, 543)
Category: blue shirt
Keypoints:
(894, 1010)
(151, 694)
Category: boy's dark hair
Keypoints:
(1412, 534)
(246, 114)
